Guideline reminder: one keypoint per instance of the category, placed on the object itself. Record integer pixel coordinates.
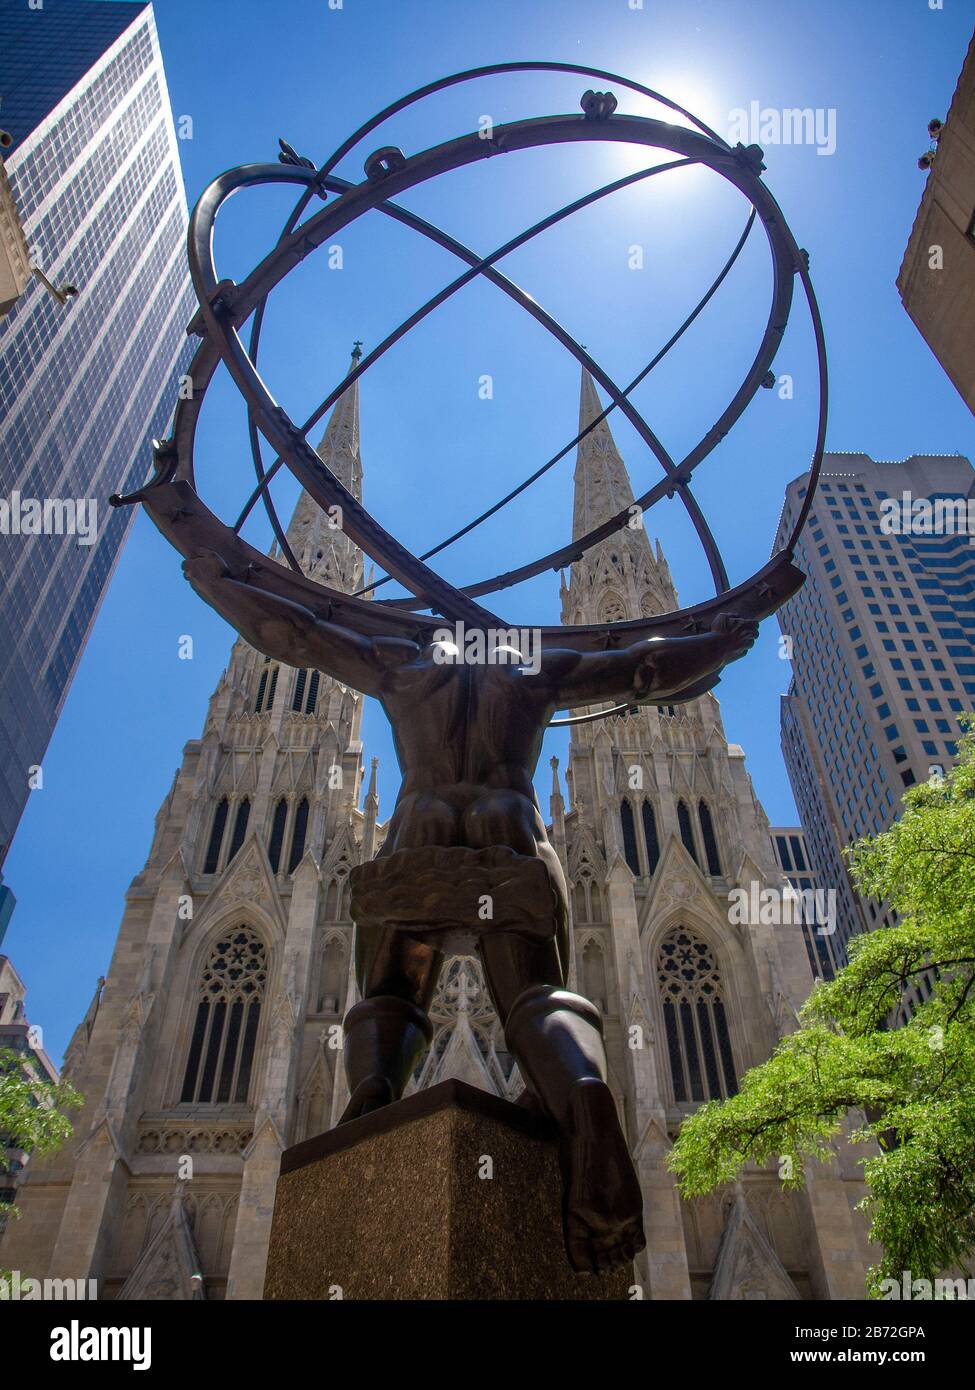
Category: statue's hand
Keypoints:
(736, 633)
(203, 571)
(282, 628)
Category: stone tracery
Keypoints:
(696, 1026)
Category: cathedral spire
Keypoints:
(602, 485)
(338, 447)
(371, 815)
(321, 547)
(621, 577)
(557, 807)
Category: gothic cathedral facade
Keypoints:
(215, 1040)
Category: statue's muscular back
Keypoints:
(467, 764)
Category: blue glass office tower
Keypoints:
(94, 170)
(882, 639)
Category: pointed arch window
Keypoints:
(304, 694)
(240, 827)
(298, 693)
(333, 977)
(298, 834)
(709, 838)
(276, 842)
(221, 1056)
(266, 687)
(686, 830)
(650, 836)
(580, 904)
(587, 900)
(594, 974)
(702, 1065)
(216, 836)
(311, 699)
(335, 896)
(629, 836)
(261, 691)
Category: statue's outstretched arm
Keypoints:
(287, 631)
(651, 670)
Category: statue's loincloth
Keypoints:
(451, 895)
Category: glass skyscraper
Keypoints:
(882, 639)
(94, 169)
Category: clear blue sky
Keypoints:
(433, 453)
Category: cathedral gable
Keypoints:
(169, 1267)
(677, 884)
(462, 1060)
(247, 881)
(747, 1267)
(343, 852)
(585, 855)
(653, 1142)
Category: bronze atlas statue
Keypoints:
(466, 863)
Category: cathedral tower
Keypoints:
(663, 825)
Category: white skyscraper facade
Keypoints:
(882, 641)
(93, 170)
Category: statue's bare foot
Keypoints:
(738, 633)
(371, 1094)
(602, 1206)
(204, 572)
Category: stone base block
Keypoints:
(450, 1194)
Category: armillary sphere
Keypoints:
(171, 495)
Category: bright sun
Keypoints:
(695, 96)
(688, 91)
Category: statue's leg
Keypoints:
(557, 1039)
(387, 1032)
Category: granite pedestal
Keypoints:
(450, 1194)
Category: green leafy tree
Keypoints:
(910, 1088)
(32, 1109)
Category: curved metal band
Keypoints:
(587, 718)
(474, 74)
